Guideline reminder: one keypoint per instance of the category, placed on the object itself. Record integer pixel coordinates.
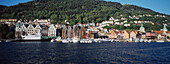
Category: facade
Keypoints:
(83, 33)
(76, 31)
(18, 31)
(59, 32)
(52, 30)
(126, 34)
(30, 29)
(70, 32)
(150, 35)
(133, 34)
(113, 34)
(44, 30)
(38, 29)
(64, 32)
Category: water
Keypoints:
(55, 53)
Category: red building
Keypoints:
(150, 35)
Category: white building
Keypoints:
(107, 22)
(52, 30)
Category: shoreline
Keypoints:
(83, 41)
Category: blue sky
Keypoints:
(162, 6)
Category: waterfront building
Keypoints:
(59, 32)
(38, 29)
(64, 32)
(88, 35)
(133, 34)
(112, 34)
(76, 31)
(126, 34)
(70, 32)
(52, 30)
(82, 33)
(119, 35)
(44, 30)
(150, 35)
(30, 29)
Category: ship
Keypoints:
(31, 37)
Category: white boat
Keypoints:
(65, 41)
(52, 40)
(146, 40)
(149, 41)
(32, 37)
(141, 40)
(168, 40)
(89, 41)
(8, 41)
(136, 40)
(75, 40)
(160, 41)
(70, 40)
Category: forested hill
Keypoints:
(74, 11)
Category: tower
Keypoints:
(142, 29)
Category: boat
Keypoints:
(89, 41)
(8, 41)
(149, 41)
(32, 37)
(136, 40)
(75, 40)
(160, 41)
(146, 40)
(58, 39)
(52, 40)
(168, 40)
(65, 41)
(141, 40)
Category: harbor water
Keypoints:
(95, 53)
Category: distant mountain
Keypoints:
(74, 11)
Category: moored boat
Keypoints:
(75, 40)
(65, 41)
(160, 41)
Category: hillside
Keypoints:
(74, 11)
(2, 6)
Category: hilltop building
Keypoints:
(142, 29)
